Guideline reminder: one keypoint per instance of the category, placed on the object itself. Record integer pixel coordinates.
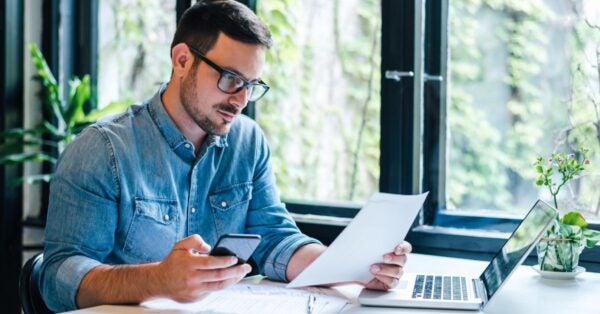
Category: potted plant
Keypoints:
(559, 249)
(66, 118)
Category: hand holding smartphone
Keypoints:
(239, 245)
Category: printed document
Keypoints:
(376, 230)
(265, 298)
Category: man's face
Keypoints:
(210, 108)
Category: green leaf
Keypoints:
(19, 145)
(23, 157)
(80, 94)
(52, 130)
(570, 231)
(540, 181)
(539, 169)
(574, 219)
(32, 179)
(49, 83)
(592, 238)
(18, 133)
(112, 108)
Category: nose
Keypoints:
(239, 99)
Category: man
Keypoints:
(134, 198)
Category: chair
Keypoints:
(29, 292)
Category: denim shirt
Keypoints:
(128, 188)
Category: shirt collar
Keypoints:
(169, 130)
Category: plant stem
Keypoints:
(556, 193)
(553, 196)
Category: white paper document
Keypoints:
(269, 298)
(376, 230)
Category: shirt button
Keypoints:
(223, 204)
(166, 217)
(193, 210)
(187, 145)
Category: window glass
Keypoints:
(134, 48)
(321, 115)
(523, 83)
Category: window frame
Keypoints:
(439, 233)
(417, 112)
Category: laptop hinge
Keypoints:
(479, 290)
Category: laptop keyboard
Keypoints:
(440, 287)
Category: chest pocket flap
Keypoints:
(231, 196)
(161, 211)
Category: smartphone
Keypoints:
(239, 245)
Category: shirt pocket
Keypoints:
(153, 229)
(230, 206)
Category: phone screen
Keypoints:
(239, 245)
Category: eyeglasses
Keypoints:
(231, 83)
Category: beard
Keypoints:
(190, 99)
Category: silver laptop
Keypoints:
(458, 292)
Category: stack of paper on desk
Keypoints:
(264, 298)
(376, 230)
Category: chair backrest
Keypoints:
(29, 292)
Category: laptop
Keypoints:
(447, 291)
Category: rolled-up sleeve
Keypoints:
(275, 266)
(81, 220)
(268, 217)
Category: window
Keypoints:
(523, 81)
(322, 114)
(134, 48)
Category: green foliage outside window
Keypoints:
(510, 100)
(323, 148)
(134, 47)
(538, 51)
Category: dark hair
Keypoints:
(201, 24)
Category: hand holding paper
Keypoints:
(387, 274)
(380, 225)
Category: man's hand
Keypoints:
(387, 274)
(184, 275)
(187, 275)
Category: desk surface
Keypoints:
(525, 291)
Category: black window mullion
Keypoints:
(250, 109)
(50, 48)
(11, 113)
(434, 107)
(85, 53)
(50, 26)
(180, 7)
(75, 28)
(400, 105)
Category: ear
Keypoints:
(181, 59)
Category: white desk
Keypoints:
(525, 291)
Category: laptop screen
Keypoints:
(517, 247)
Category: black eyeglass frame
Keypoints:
(247, 84)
